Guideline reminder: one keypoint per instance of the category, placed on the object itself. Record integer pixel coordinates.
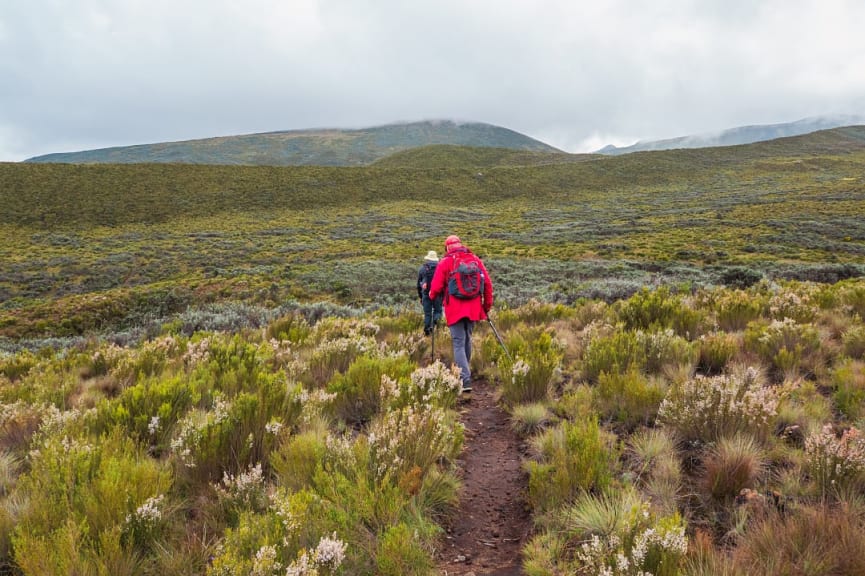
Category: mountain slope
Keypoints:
(331, 147)
(740, 135)
(452, 156)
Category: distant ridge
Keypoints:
(325, 147)
(740, 135)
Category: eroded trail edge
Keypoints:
(488, 531)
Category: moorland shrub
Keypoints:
(708, 408)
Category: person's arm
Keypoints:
(488, 290)
(420, 278)
(437, 286)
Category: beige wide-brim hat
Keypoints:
(431, 256)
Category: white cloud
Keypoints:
(101, 72)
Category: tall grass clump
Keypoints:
(528, 419)
(732, 465)
(614, 533)
(528, 374)
(709, 408)
(811, 541)
(653, 462)
(572, 457)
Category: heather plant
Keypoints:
(234, 432)
(853, 341)
(290, 537)
(735, 309)
(630, 398)
(401, 552)
(77, 484)
(295, 460)
(835, 461)
(616, 533)
(357, 392)
(659, 309)
(14, 366)
(786, 345)
(291, 327)
(664, 349)
(412, 437)
(716, 350)
(527, 375)
(709, 408)
(616, 353)
(853, 296)
(433, 385)
(796, 303)
(334, 356)
(848, 382)
(573, 457)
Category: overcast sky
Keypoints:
(576, 74)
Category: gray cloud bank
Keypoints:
(575, 74)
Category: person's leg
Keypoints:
(460, 334)
(437, 310)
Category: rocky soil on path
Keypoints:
(487, 532)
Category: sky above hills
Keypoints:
(573, 73)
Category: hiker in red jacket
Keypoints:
(468, 296)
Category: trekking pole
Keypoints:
(434, 342)
(499, 338)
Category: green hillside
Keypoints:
(308, 147)
(450, 156)
(137, 241)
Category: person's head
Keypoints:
(452, 242)
(431, 256)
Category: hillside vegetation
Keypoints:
(332, 147)
(220, 371)
(87, 246)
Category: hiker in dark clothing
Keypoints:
(463, 280)
(432, 309)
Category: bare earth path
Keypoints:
(487, 533)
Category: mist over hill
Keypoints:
(740, 135)
(326, 147)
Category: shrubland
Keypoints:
(220, 370)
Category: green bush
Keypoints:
(358, 391)
(574, 457)
(399, 553)
(785, 344)
(853, 341)
(848, 381)
(629, 399)
(659, 310)
(528, 374)
(716, 351)
(663, 349)
(616, 353)
(734, 309)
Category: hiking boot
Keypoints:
(427, 331)
(467, 387)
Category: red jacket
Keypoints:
(455, 308)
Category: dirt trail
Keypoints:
(488, 531)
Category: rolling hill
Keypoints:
(330, 147)
(740, 135)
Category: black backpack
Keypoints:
(429, 270)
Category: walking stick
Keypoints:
(434, 342)
(499, 338)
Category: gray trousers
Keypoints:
(461, 335)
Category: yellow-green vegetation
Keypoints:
(95, 247)
(323, 440)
